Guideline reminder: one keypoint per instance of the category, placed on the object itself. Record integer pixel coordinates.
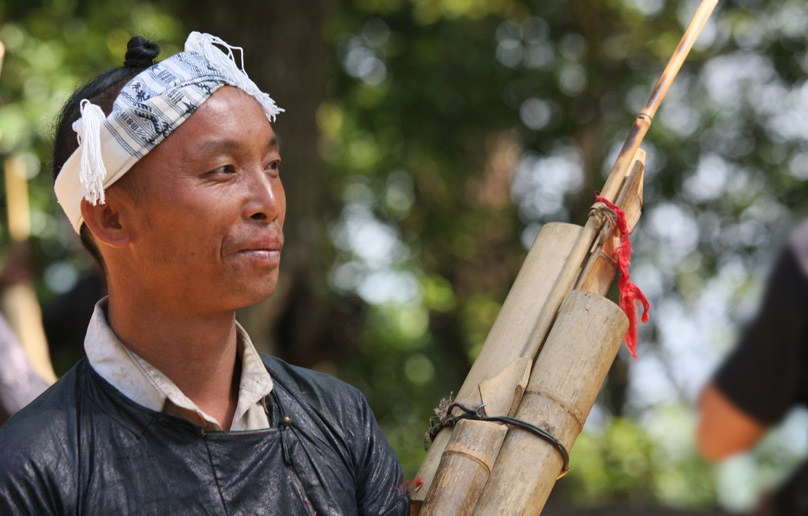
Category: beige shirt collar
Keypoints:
(146, 385)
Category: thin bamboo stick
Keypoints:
(618, 174)
(643, 121)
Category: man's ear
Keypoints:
(108, 222)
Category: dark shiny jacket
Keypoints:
(82, 448)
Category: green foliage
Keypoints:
(626, 463)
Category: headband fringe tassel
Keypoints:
(226, 63)
(92, 172)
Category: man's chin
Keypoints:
(256, 294)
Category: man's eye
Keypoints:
(227, 169)
(274, 165)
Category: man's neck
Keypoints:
(195, 351)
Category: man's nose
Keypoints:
(263, 197)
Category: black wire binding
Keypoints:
(480, 415)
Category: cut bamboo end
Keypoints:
(465, 467)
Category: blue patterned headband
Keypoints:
(148, 109)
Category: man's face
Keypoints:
(209, 219)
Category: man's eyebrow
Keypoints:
(219, 146)
(226, 145)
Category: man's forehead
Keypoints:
(215, 125)
(220, 144)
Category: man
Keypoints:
(176, 190)
(765, 376)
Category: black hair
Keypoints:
(101, 91)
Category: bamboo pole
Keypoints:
(643, 121)
(588, 244)
(17, 208)
(19, 382)
(512, 326)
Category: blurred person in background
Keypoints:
(764, 377)
(21, 378)
(19, 383)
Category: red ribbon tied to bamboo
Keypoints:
(630, 294)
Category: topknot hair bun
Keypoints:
(140, 53)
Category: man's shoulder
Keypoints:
(300, 380)
(38, 448)
(324, 399)
(46, 419)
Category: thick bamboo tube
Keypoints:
(565, 381)
(464, 468)
(510, 332)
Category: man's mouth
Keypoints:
(265, 250)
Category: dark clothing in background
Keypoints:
(765, 376)
(83, 448)
(66, 318)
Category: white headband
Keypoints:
(148, 109)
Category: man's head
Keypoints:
(191, 206)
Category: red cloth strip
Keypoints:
(630, 294)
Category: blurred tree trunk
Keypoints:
(286, 56)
